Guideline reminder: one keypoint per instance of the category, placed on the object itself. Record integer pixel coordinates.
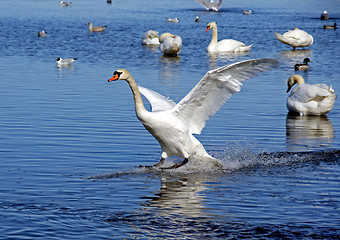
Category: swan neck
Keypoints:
(214, 35)
(298, 79)
(139, 106)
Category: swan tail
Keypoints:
(244, 48)
(280, 37)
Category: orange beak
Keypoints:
(207, 29)
(114, 77)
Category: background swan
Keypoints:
(171, 44)
(295, 38)
(226, 45)
(173, 125)
(150, 38)
(307, 99)
(210, 4)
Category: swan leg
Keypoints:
(159, 163)
(155, 165)
(185, 161)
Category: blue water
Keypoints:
(70, 142)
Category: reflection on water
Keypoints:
(169, 68)
(306, 133)
(295, 56)
(180, 196)
(225, 57)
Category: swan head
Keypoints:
(211, 26)
(293, 80)
(120, 74)
(164, 35)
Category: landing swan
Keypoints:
(173, 125)
(171, 44)
(295, 38)
(151, 38)
(211, 4)
(307, 99)
(226, 45)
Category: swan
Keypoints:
(150, 38)
(295, 38)
(42, 33)
(95, 29)
(211, 4)
(65, 61)
(173, 125)
(302, 66)
(170, 44)
(307, 99)
(226, 45)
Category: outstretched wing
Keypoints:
(204, 3)
(158, 102)
(214, 89)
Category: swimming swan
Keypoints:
(226, 45)
(307, 99)
(171, 44)
(295, 38)
(173, 125)
(151, 38)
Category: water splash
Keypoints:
(230, 159)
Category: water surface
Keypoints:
(70, 142)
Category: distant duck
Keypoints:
(173, 20)
(64, 4)
(295, 38)
(247, 11)
(95, 29)
(225, 45)
(42, 33)
(302, 66)
(150, 38)
(211, 4)
(197, 19)
(65, 61)
(307, 99)
(170, 44)
(330, 26)
(324, 15)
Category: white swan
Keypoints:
(171, 44)
(226, 45)
(173, 125)
(307, 99)
(295, 38)
(151, 38)
(211, 4)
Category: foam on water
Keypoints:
(228, 160)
